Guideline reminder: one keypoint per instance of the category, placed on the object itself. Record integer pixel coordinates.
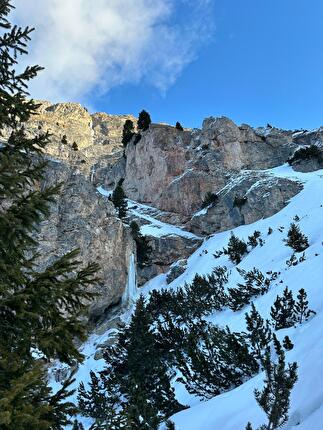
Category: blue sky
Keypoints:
(255, 61)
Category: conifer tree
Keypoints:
(77, 426)
(287, 343)
(214, 360)
(170, 425)
(301, 309)
(40, 310)
(282, 311)
(259, 333)
(144, 121)
(179, 126)
(255, 284)
(274, 398)
(236, 249)
(142, 244)
(138, 376)
(75, 146)
(128, 132)
(296, 239)
(118, 198)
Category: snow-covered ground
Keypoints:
(232, 410)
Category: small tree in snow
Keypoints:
(296, 239)
(274, 398)
(282, 311)
(236, 249)
(301, 309)
(259, 333)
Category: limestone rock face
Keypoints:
(82, 219)
(108, 129)
(173, 170)
(164, 251)
(246, 199)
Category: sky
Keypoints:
(255, 61)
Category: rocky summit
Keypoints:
(167, 175)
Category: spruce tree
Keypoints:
(40, 309)
(144, 121)
(259, 333)
(137, 375)
(118, 198)
(274, 398)
(75, 146)
(142, 245)
(214, 360)
(178, 126)
(301, 309)
(296, 239)
(236, 249)
(128, 132)
(282, 311)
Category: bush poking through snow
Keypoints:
(259, 333)
(236, 249)
(282, 311)
(274, 398)
(296, 239)
(285, 312)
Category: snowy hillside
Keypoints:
(232, 410)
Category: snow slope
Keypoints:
(232, 410)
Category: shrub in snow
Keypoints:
(287, 343)
(236, 249)
(274, 398)
(282, 311)
(296, 239)
(256, 284)
(259, 333)
(301, 309)
(255, 239)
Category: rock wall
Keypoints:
(82, 219)
(173, 170)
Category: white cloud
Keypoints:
(88, 46)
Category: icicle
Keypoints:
(130, 294)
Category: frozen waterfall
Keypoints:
(130, 294)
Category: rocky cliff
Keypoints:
(169, 170)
